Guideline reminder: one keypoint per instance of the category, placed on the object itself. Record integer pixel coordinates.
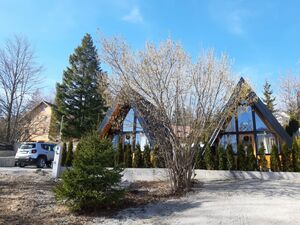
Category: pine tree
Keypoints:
(251, 159)
(64, 154)
(128, 156)
(138, 158)
(69, 158)
(147, 157)
(268, 99)
(275, 161)
(230, 157)
(241, 157)
(77, 97)
(222, 158)
(208, 158)
(262, 158)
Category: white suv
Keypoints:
(40, 154)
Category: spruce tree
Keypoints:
(262, 158)
(241, 157)
(147, 157)
(275, 161)
(268, 99)
(90, 185)
(230, 157)
(222, 158)
(64, 154)
(208, 157)
(78, 98)
(69, 158)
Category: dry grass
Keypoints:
(28, 199)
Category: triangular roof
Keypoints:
(142, 107)
(261, 107)
(36, 106)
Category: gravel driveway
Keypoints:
(222, 202)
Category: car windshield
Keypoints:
(27, 146)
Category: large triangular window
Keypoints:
(245, 122)
(231, 126)
(128, 123)
(260, 125)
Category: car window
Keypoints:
(27, 146)
(45, 147)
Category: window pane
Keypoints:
(229, 139)
(267, 140)
(128, 122)
(260, 125)
(245, 119)
(231, 126)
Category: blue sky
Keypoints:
(261, 36)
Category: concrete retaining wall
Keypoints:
(157, 174)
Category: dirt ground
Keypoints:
(26, 198)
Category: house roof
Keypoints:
(119, 111)
(35, 107)
(261, 107)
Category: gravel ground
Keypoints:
(222, 202)
(26, 198)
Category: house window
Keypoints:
(229, 139)
(267, 140)
(231, 126)
(260, 125)
(245, 118)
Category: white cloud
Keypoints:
(134, 16)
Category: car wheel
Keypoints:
(21, 164)
(41, 162)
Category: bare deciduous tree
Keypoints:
(289, 86)
(18, 80)
(184, 101)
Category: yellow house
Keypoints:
(36, 123)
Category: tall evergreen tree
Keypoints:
(251, 159)
(147, 156)
(209, 159)
(274, 160)
(222, 158)
(230, 157)
(78, 98)
(262, 158)
(241, 158)
(268, 99)
(64, 154)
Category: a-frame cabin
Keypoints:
(253, 123)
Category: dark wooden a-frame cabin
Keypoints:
(253, 124)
